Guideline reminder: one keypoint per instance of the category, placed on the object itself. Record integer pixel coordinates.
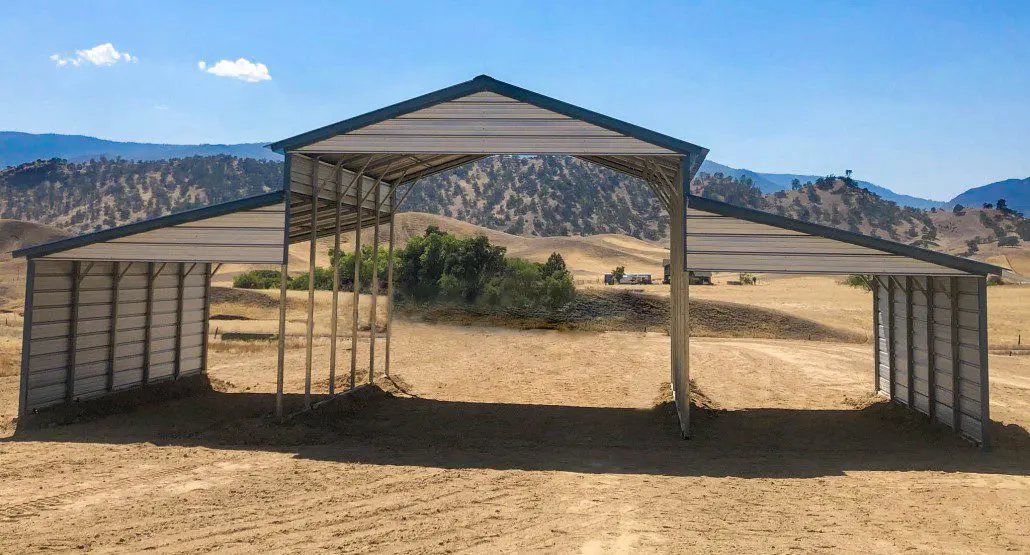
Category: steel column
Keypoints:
(335, 259)
(356, 295)
(73, 335)
(112, 333)
(315, 191)
(389, 281)
(149, 319)
(372, 315)
(985, 393)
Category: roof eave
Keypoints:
(757, 216)
(220, 209)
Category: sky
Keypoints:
(926, 98)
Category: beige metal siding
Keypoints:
(330, 179)
(946, 343)
(253, 236)
(722, 243)
(485, 123)
(52, 355)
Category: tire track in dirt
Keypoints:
(18, 511)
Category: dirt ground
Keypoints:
(498, 440)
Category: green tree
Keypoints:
(618, 273)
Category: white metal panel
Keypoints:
(485, 123)
(723, 243)
(252, 236)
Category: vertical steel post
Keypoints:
(877, 314)
(315, 191)
(26, 338)
(910, 378)
(956, 362)
(985, 392)
(335, 259)
(373, 315)
(180, 287)
(149, 324)
(931, 364)
(284, 278)
(891, 352)
(112, 332)
(389, 281)
(73, 335)
(356, 296)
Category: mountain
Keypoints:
(543, 196)
(772, 182)
(1016, 193)
(19, 148)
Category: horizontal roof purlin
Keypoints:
(485, 83)
(247, 203)
(760, 217)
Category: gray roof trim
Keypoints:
(220, 209)
(926, 255)
(485, 83)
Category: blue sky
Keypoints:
(927, 98)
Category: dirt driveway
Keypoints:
(521, 441)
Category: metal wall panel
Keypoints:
(946, 341)
(253, 236)
(485, 123)
(87, 336)
(723, 243)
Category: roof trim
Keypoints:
(220, 209)
(926, 255)
(485, 83)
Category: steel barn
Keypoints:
(128, 307)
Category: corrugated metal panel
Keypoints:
(95, 365)
(253, 236)
(485, 123)
(723, 243)
(948, 364)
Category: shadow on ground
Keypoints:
(385, 426)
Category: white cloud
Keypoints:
(100, 55)
(242, 69)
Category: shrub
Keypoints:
(859, 281)
(257, 279)
(1008, 241)
(323, 280)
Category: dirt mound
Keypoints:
(620, 310)
(247, 297)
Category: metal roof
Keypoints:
(404, 167)
(220, 209)
(775, 220)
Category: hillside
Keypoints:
(521, 196)
(1015, 191)
(19, 148)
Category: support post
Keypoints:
(356, 295)
(679, 283)
(73, 334)
(956, 361)
(931, 364)
(284, 278)
(26, 338)
(985, 393)
(335, 259)
(910, 378)
(180, 281)
(206, 326)
(372, 315)
(315, 191)
(112, 332)
(389, 282)
(892, 360)
(149, 323)
(877, 313)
